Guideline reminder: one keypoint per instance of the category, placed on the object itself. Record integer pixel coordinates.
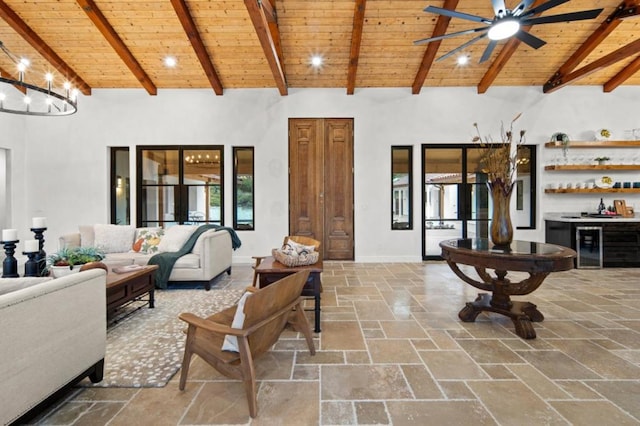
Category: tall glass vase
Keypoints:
(501, 227)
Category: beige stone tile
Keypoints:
(374, 334)
(365, 325)
(306, 372)
(357, 357)
(490, 351)
(456, 389)
(593, 412)
(411, 413)
(100, 413)
(372, 382)
(443, 340)
(513, 403)
(557, 365)
(577, 389)
(106, 394)
(288, 403)
(371, 413)
(626, 338)
(452, 365)
(403, 329)
(570, 330)
(538, 382)
(338, 413)
(165, 405)
(392, 351)
(423, 344)
(499, 372)
(373, 311)
(219, 403)
(598, 359)
(421, 382)
(321, 357)
(625, 394)
(68, 413)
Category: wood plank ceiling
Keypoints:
(231, 44)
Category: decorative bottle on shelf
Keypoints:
(601, 207)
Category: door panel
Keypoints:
(338, 196)
(321, 184)
(305, 178)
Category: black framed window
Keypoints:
(180, 185)
(401, 187)
(120, 186)
(243, 188)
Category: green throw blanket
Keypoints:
(166, 260)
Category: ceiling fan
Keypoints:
(506, 23)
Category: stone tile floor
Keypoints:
(392, 351)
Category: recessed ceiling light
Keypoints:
(463, 60)
(316, 61)
(170, 62)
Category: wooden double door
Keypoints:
(321, 183)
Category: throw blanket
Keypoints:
(166, 260)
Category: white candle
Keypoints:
(39, 222)
(31, 246)
(9, 235)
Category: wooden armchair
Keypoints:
(267, 312)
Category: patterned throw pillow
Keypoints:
(147, 240)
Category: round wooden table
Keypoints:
(536, 259)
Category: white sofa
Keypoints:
(53, 335)
(210, 257)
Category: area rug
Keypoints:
(145, 349)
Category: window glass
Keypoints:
(243, 188)
(401, 187)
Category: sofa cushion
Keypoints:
(114, 238)
(7, 285)
(175, 237)
(87, 236)
(147, 240)
(188, 261)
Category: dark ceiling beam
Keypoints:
(622, 76)
(269, 8)
(5, 73)
(356, 39)
(182, 11)
(503, 57)
(432, 48)
(43, 48)
(118, 45)
(625, 9)
(613, 57)
(261, 25)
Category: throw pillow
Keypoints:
(147, 240)
(114, 238)
(231, 342)
(175, 237)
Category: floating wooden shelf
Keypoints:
(591, 190)
(595, 144)
(594, 167)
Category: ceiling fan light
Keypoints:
(503, 29)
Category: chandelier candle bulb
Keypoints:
(31, 246)
(39, 222)
(9, 235)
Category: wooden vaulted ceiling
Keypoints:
(230, 44)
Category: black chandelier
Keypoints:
(19, 97)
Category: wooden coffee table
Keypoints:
(269, 270)
(123, 289)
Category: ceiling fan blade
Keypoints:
(456, 14)
(564, 17)
(530, 39)
(442, 37)
(499, 8)
(462, 46)
(543, 7)
(521, 7)
(489, 50)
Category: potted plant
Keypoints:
(70, 260)
(601, 160)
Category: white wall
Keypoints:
(67, 162)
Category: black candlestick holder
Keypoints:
(31, 266)
(10, 264)
(41, 256)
